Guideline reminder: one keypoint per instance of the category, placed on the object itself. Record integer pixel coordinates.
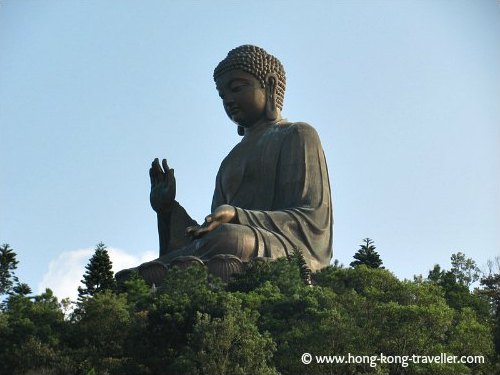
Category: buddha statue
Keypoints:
(272, 192)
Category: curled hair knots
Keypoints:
(259, 63)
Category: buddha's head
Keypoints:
(251, 83)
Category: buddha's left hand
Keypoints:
(221, 215)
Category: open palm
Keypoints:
(162, 194)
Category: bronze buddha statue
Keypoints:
(272, 192)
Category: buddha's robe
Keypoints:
(277, 180)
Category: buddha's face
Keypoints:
(243, 97)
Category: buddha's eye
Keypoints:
(238, 85)
(237, 88)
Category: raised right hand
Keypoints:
(162, 194)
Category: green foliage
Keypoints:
(137, 291)
(361, 279)
(32, 332)
(8, 264)
(465, 269)
(229, 345)
(282, 273)
(299, 259)
(403, 318)
(436, 274)
(21, 289)
(367, 255)
(260, 323)
(469, 336)
(457, 293)
(491, 290)
(98, 276)
(102, 329)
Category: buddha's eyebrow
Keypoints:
(237, 79)
(228, 85)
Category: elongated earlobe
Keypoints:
(241, 130)
(271, 108)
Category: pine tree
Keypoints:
(99, 275)
(305, 271)
(436, 274)
(8, 264)
(367, 255)
(21, 289)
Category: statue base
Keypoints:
(223, 266)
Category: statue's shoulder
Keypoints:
(300, 129)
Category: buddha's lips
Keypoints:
(233, 110)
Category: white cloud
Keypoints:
(66, 271)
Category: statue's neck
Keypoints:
(261, 126)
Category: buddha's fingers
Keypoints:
(152, 177)
(153, 174)
(157, 171)
(169, 173)
(204, 229)
(170, 178)
(165, 165)
(190, 230)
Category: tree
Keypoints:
(491, 289)
(8, 264)
(380, 314)
(436, 274)
(305, 271)
(261, 322)
(337, 264)
(465, 269)
(32, 336)
(21, 289)
(286, 275)
(455, 284)
(367, 255)
(99, 275)
(101, 331)
(231, 344)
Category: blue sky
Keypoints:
(404, 94)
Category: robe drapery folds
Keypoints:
(277, 180)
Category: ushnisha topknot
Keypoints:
(259, 63)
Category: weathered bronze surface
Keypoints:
(272, 191)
